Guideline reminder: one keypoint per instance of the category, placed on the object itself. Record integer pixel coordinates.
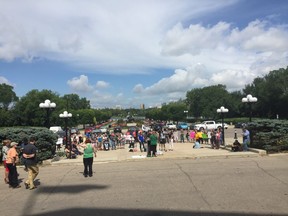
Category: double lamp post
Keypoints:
(49, 106)
(222, 110)
(65, 115)
(249, 99)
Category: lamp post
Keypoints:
(222, 110)
(66, 115)
(249, 99)
(48, 105)
(186, 111)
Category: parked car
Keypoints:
(239, 125)
(146, 128)
(88, 129)
(103, 129)
(56, 129)
(117, 130)
(182, 125)
(208, 125)
(131, 129)
(60, 133)
(157, 127)
(171, 126)
(96, 131)
(74, 130)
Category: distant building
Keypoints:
(142, 106)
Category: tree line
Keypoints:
(200, 103)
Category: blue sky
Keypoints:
(129, 52)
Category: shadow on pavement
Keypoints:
(74, 189)
(78, 211)
(139, 212)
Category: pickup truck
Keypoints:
(208, 125)
(171, 126)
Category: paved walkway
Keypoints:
(181, 150)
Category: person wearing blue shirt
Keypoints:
(246, 139)
(141, 141)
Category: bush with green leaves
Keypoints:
(45, 139)
(271, 135)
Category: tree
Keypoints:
(86, 116)
(74, 102)
(174, 111)
(204, 102)
(28, 113)
(154, 113)
(5, 118)
(272, 93)
(7, 96)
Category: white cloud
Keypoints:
(138, 88)
(194, 39)
(4, 80)
(102, 84)
(80, 84)
(127, 36)
(174, 87)
(118, 35)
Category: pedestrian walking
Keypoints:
(11, 161)
(30, 155)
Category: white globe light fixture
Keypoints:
(65, 115)
(48, 105)
(249, 99)
(186, 111)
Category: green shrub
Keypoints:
(45, 139)
(270, 135)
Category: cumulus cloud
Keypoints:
(118, 35)
(194, 39)
(233, 57)
(96, 94)
(80, 84)
(106, 99)
(177, 84)
(102, 84)
(138, 88)
(137, 37)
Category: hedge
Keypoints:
(270, 135)
(45, 139)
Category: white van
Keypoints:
(56, 129)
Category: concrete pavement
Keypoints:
(181, 150)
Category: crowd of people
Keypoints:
(141, 140)
(152, 142)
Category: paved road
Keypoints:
(153, 187)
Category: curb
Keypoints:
(181, 157)
(261, 152)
